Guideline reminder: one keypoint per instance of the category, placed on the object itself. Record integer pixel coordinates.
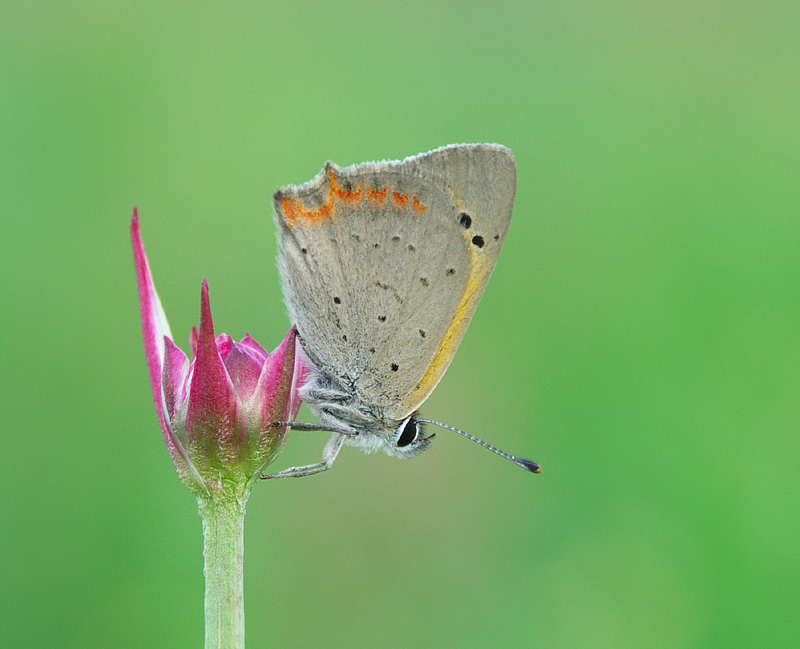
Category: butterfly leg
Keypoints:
(332, 449)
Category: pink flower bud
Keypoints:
(217, 411)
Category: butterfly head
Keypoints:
(402, 440)
(409, 439)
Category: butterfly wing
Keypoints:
(383, 265)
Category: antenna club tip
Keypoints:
(529, 465)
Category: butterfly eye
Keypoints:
(409, 433)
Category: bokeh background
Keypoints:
(640, 336)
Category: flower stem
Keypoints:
(223, 552)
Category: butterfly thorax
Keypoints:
(337, 405)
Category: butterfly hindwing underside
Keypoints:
(383, 265)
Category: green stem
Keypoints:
(223, 552)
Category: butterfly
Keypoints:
(382, 265)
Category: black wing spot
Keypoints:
(421, 333)
(357, 237)
(371, 350)
(497, 237)
(381, 318)
(395, 367)
(304, 251)
(465, 220)
(477, 240)
(451, 271)
(344, 337)
(337, 300)
(386, 287)
(376, 245)
(395, 238)
(424, 281)
(411, 247)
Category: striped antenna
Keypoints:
(528, 465)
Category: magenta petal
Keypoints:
(154, 322)
(248, 342)
(155, 330)
(224, 344)
(211, 413)
(243, 370)
(275, 385)
(176, 371)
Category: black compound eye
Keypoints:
(409, 433)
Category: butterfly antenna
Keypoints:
(528, 465)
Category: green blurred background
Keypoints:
(640, 336)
